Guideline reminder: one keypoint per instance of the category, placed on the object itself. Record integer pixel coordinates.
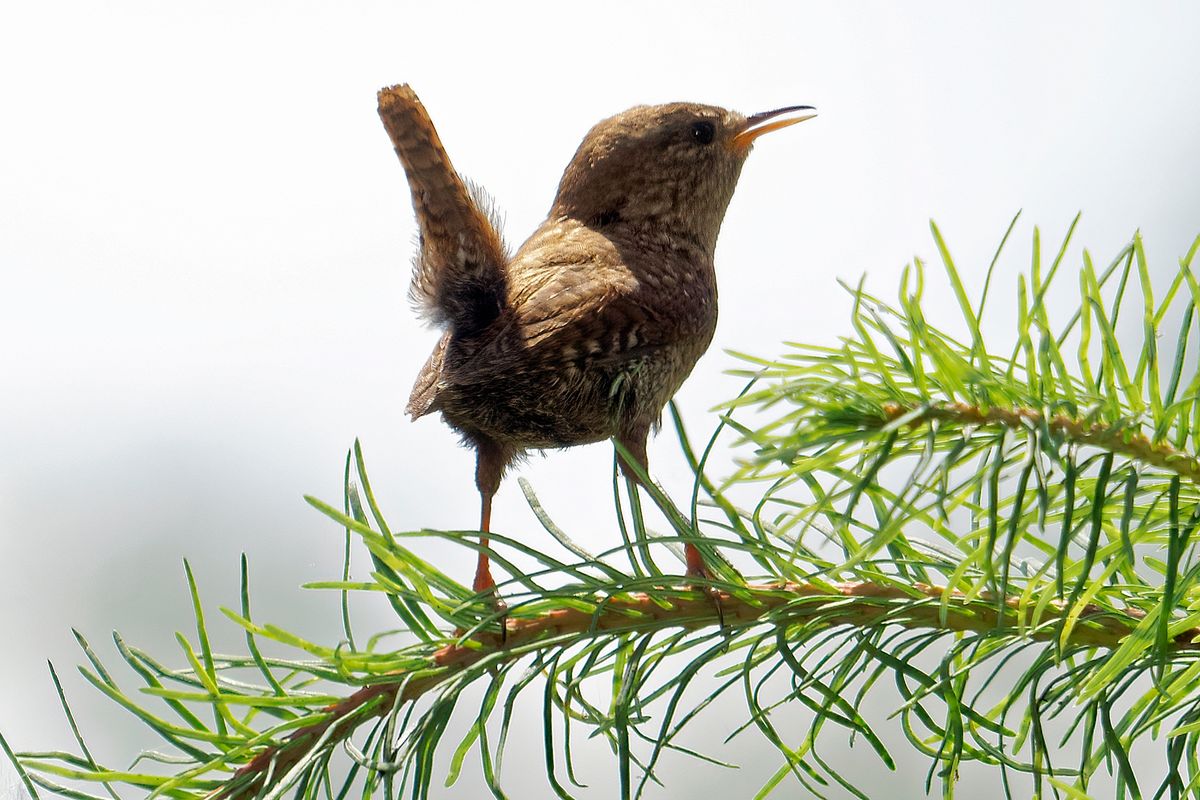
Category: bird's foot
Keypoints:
(500, 609)
(697, 569)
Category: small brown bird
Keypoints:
(589, 329)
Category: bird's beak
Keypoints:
(765, 122)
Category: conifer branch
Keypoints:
(1122, 440)
(784, 604)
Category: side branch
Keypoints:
(783, 604)
(1109, 437)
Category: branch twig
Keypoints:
(780, 604)
(1119, 440)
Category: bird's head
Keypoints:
(668, 168)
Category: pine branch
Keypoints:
(1114, 438)
(873, 605)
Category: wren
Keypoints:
(587, 331)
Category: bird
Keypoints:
(588, 329)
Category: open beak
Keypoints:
(767, 121)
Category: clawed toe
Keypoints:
(696, 568)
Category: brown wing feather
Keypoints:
(571, 302)
(428, 382)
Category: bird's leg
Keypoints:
(483, 573)
(490, 462)
(634, 441)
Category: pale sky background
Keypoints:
(205, 240)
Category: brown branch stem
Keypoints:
(1108, 437)
(859, 604)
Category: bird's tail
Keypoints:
(458, 273)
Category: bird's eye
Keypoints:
(703, 132)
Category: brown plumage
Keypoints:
(587, 331)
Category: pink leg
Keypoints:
(634, 441)
(490, 463)
(483, 572)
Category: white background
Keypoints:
(205, 238)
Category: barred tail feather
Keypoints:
(458, 273)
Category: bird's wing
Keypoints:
(429, 380)
(577, 315)
(583, 308)
(458, 274)
(574, 301)
(579, 294)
